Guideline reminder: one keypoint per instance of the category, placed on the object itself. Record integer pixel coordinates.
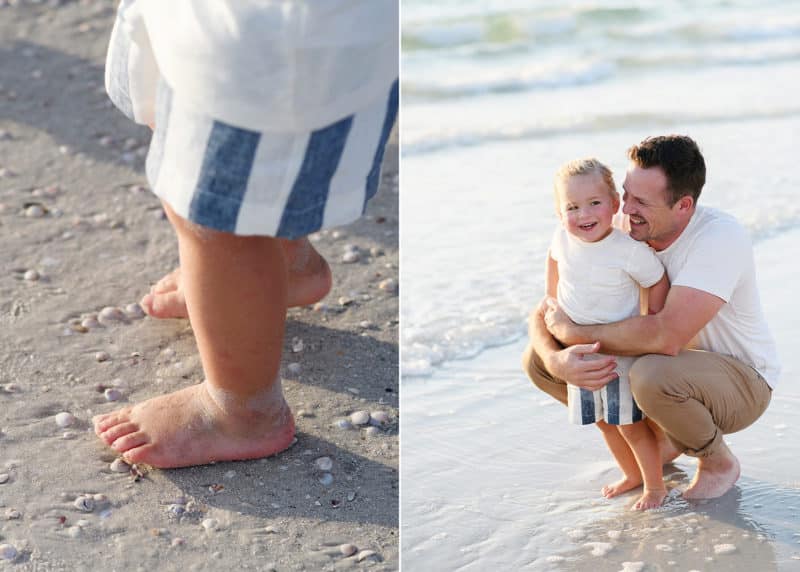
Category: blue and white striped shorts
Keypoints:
(282, 184)
(613, 403)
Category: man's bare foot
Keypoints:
(651, 498)
(668, 451)
(715, 475)
(188, 427)
(621, 486)
(309, 282)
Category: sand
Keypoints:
(80, 232)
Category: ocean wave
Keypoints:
(431, 141)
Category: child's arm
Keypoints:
(551, 276)
(657, 295)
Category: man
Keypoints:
(708, 361)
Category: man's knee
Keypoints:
(533, 366)
(647, 376)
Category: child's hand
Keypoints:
(582, 366)
(557, 321)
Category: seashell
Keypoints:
(347, 549)
(724, 548)
(297, 345)
(13, 514)
(389, 285)
(326, 479)
(344, 424)
(364, 554)
(379, 418)
(345, 301)
(371, 431)
(35, 211)
(31, 275)
(293, 368)
(360, 418)
(367, 325)
(111, 314)
(119, 466)
(176, 509)
(84, 503)
(324, 463)
(8, 552)
(134, 311)
(91, 323)
(351, 256)
(210, 524)
(65, 419)
(4, 478)
(112, 394)
(102, 356)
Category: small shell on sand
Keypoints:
(91, 323)
(344, 424)
(389, 285)
(102, 356)
(360, 418)
(210, 524)
(65, 419)
(112, 394)
(134, 311)
(7, 552)
(372, 431)
(119, 466)
(84, 503)
(297, 345)
(111, 314)
(345, 301)
(35, 211)
(293, 368)
(351, 256)
(13, 514)
(324, 463)
(379, 418)
(724, 549)
(326, 479)
(348, 549)
(364, 554)
(4, 478)
(31, 275)
(176, 509)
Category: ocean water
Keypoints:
(495, 97)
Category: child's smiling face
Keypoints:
(586, 206)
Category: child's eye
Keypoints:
(571, 207)
(595, 203)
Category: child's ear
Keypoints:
(615, 202)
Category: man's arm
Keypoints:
(566, 363)
(686, 311)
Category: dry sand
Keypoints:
(101, 240)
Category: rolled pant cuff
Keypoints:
(706, 450)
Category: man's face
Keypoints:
(645, 202)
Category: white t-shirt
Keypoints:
(598, 282)
(714, 254)
(265, 64)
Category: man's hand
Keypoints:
(581, 366)
(557, 321)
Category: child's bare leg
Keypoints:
(643, 443)
(668, 451)
(235, 290)
(631, 477)
(309, 282)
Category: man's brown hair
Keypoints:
(680, 159)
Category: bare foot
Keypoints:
(188, 427)
(668, 451)
(715, 475)
(309, 282)
(651, 498)
(623, 485)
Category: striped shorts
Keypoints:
(281, 184)
(613, 403)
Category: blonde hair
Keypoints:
(588, 166)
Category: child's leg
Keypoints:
(235, 290)
(309, 282)
(631, 477)
(645, 448)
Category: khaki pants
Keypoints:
(696, 397)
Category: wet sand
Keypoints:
(80, 232)
(503, 481)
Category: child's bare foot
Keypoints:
(189, 427)
(651, 498)
(623, 485)
(309, 282)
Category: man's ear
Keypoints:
(685, 203)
